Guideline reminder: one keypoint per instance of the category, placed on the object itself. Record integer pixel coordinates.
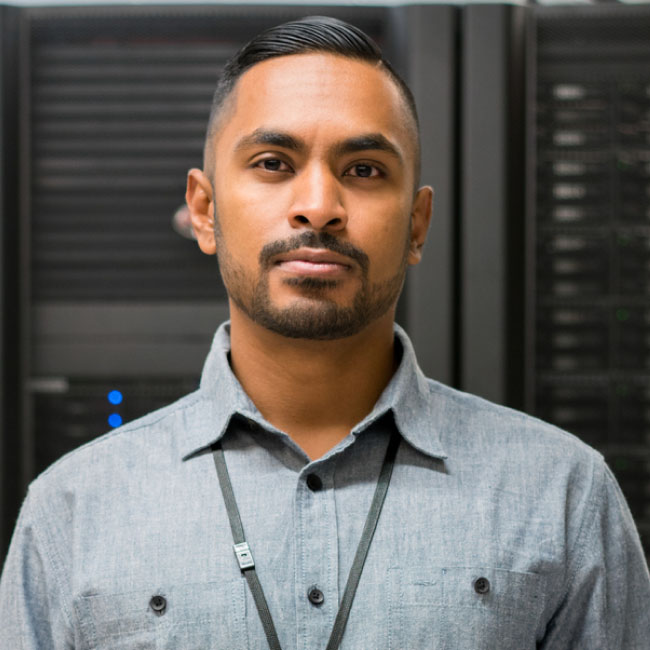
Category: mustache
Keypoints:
(312, 239)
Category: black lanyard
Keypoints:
(245, 557)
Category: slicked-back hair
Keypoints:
(303, 36)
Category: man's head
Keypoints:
(313, 34)
(307, 196)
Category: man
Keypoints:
(370, 508)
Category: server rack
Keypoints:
(588, 270)
(553, 224)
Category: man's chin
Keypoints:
(311, 320)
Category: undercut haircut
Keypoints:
(303, 36)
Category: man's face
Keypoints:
(316, 219)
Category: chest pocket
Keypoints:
(187, 617)
(464, 608)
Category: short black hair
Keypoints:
(310, 34)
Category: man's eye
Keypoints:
(363, 171)
(273, 165)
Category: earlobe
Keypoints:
(198, 197)
(420, 219)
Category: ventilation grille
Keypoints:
(593, 32)
(116, 124)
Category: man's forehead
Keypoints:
(318, 87)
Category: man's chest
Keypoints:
(447, 568)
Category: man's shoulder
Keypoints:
(470, 423)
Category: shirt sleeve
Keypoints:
(33, 615)
(607, 597)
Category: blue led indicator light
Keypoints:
(115, 397)
(115, 419)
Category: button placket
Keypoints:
(317, 559)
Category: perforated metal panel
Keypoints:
(118, 117)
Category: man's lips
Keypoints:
(313, 261)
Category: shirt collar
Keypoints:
(220, 396)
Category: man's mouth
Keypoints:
(314, 262)
(314, 253)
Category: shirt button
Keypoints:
(314, 482)
(315, 596)
(158, 604)
(481, 585)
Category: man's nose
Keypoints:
(317, 201)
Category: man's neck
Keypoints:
(315, 391)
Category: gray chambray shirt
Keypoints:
(499, 532)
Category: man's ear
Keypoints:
(420, 219)
(201, 206)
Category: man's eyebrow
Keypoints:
(368, 142)
(355, 144)
(272, 138)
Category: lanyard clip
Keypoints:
(244, 556)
